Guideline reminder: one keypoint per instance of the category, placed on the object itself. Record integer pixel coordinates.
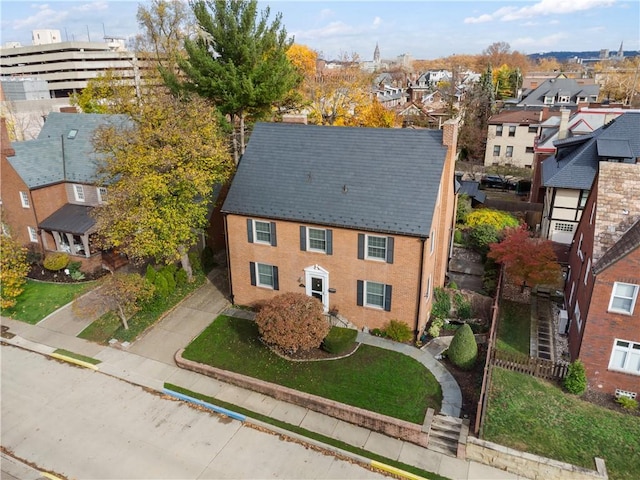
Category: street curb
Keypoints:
(75, 361)
(209, 406)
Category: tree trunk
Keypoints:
(123, 317)
(234, 139)
(242, 144)
(186, 263)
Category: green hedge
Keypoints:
(339, 340)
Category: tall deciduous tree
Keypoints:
(238, 61)
(107, 93)
(529, 261)
(13, 270)
(477, 107)
(160, 174)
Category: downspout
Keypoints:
(64, 163)
(420, 285)
(226, 241)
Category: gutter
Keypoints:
(420, 285)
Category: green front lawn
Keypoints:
(375, 379)
(514, 327)
(538, 417)
(39, 299)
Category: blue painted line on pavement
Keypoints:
(209, 406)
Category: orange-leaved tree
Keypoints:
(292, 322)
(527, 260)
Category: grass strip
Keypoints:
(514, 327)
(306, 433)
(77, 356)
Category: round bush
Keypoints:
(150, 274)
(398, 331)
(162, 288)
(463, 351)
(168, 273)
(56, 261)
(576, 380)
(292, 322)
(181, 278)
(339, 340)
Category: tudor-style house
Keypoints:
(603, 281)
(360, 218)
(568, 176)
(48, 187)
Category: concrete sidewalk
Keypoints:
(149, 362)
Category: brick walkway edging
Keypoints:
(393, 427)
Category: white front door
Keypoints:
(317, 284)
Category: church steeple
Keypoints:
(621, 51)
(376, 54)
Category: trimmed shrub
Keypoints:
(181, 278)
(207, 259)
(150, 274)
(463, 209)
(339, 340)
(398, 331)
(482, 236)
(463, 351)
(576, 380)
(167, 273)
(172, 267)
(292, 322)
(194, 260)
(487, 216)
(376, 332)
(457, 237)
(162, 288)
(74, 267)
(56, 261)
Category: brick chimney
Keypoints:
(563, 130)
(295, 118)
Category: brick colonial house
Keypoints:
(360, 218)
(603, 280)
(48, 187)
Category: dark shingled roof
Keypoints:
(40, 162)
(559, 86)
(376, 179)
(577, 170)
(69, 218)
(625, 245)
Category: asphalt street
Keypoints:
(80, 423)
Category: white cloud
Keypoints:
(547, 42)
(91, 7)
(377, 22)
(43, 17)
(326, 13)
(542, 8)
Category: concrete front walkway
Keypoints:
(149, 362)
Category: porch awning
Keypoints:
(70, 218)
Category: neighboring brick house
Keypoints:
(48, 187)
(603, 282)
(568, 176)
(511, 137)
(361, 218)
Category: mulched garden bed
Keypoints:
(38, 272)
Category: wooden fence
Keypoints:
(538, 367)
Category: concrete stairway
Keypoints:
(446, 433)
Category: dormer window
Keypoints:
(72, 134)
(548, 100)
(564, 99)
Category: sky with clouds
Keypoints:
(425, 29)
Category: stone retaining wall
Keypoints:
(393, 427)
(528, 465)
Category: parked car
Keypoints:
(496, 181)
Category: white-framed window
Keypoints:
(374, 294)
(4, 229)
(316, 239)
(564, 227)
(573, 289)
(532, 129)
(593, 211)
(512, 131)
(564, 99)
(376, 247)
(509, 151)
(576, 316)
(623, 298)
(428, 293)
(78, 192)
(262, 232)
(102, 194)
(263, 275)
(584, 195)
(499, 130)
(548, 100)
(625, 356)
(33, 234)
(587, 271)
(496, 150)
(529, 150)
(24, 199)
(72, 134)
